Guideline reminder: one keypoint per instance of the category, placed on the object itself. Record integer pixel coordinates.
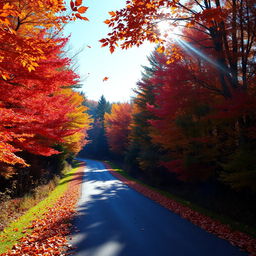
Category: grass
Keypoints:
(17, 229)
(223, 219)
(11, 209)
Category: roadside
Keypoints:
(187, 211)
(13, 208)
(43, 228)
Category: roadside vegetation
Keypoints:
(11, 209)
(23, 226)
(43, 120)
(190, 128)
(182, 138)
(234, 225)
(213, 223)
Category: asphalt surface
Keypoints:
(115, 220)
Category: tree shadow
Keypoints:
(78, 176)
(114, 220)
(77, 163)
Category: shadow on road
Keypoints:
(114, 220)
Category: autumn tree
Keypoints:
(229, 26)
(218, 38)
(117, 127)
(28, 37)
(178, 125)
(34, 108)
(37, 111)
(199, 129)
(79, 122)
(27, 28)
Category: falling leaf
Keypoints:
(107, 21)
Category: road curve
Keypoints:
(115, 220)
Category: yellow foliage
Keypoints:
(79, 121)
(26, 30)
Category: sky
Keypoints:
(123, 67)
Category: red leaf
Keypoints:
(105, 44)
(78, 15)
(79, 2)
(72, 5)
(112, 49)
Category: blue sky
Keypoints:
(123, 67)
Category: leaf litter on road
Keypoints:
(236, 238)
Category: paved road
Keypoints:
(115, 220)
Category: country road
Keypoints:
(115, 220)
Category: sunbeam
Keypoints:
(189, 48)
(168, 30)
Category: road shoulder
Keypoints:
(223, 231)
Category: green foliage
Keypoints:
(92, 107)
(142, 153)
(240, 169)
(97, 146)
(102, 108)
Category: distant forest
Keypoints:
(182, 137)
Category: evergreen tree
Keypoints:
(142, 153)
(102, 108)
(98, 147)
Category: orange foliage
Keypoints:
(21, 23)
(35, 112)
(117, 127)
(78, 124)
(229, 26)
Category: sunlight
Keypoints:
(168, 30)
(191, 49)
(174, 33)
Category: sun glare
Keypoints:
(168, 30)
